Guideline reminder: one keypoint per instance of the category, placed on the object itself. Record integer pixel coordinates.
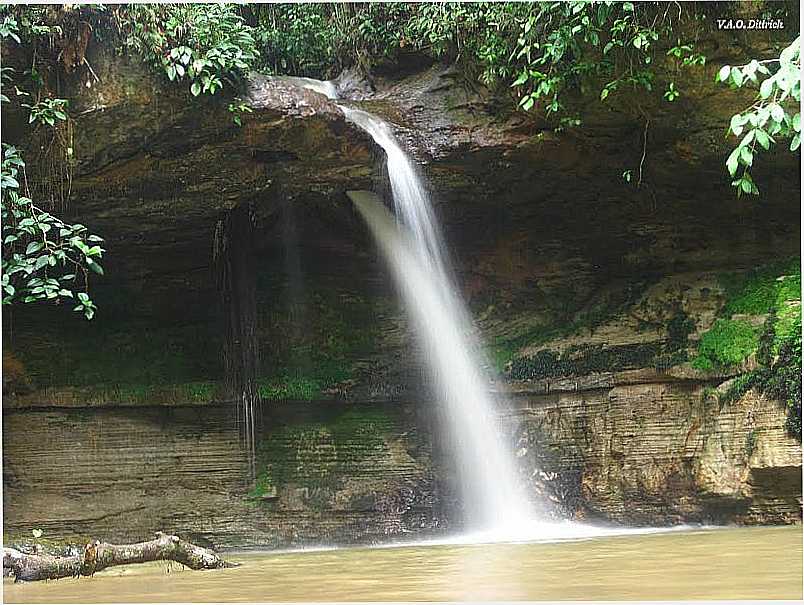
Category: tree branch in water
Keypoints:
(100, 555)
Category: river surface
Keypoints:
(733, 563)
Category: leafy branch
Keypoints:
(42, 256)
(205, 44)
(41, 253)
(774, 113)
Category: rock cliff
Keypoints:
(578, 280)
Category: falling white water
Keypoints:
(490, 490)
(492, 496)
(412, 204)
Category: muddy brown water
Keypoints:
(732, 563)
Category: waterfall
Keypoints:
(415, 251)
(496, 506)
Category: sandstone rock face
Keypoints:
(662, 453)
(614, 423)
(650, 454)
(352, 474)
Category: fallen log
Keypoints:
(100, 555)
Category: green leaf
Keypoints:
(776, 112)
(33, 247)
(794, 144)
(195, 89)
(746, 156)
(790, 52)
(523, 77)
(736, 76)
(762, 138)
(797, 122)
(724, 72)
(737, 122)
(766, 88)
(732, 162)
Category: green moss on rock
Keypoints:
(760, 290)
(727, 342)
(774, 290)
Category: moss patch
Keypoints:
(307, 349)
(307, 382)
(761, 290)
(727, 342)
(128, 356)
(773, 289)
(146, 394)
